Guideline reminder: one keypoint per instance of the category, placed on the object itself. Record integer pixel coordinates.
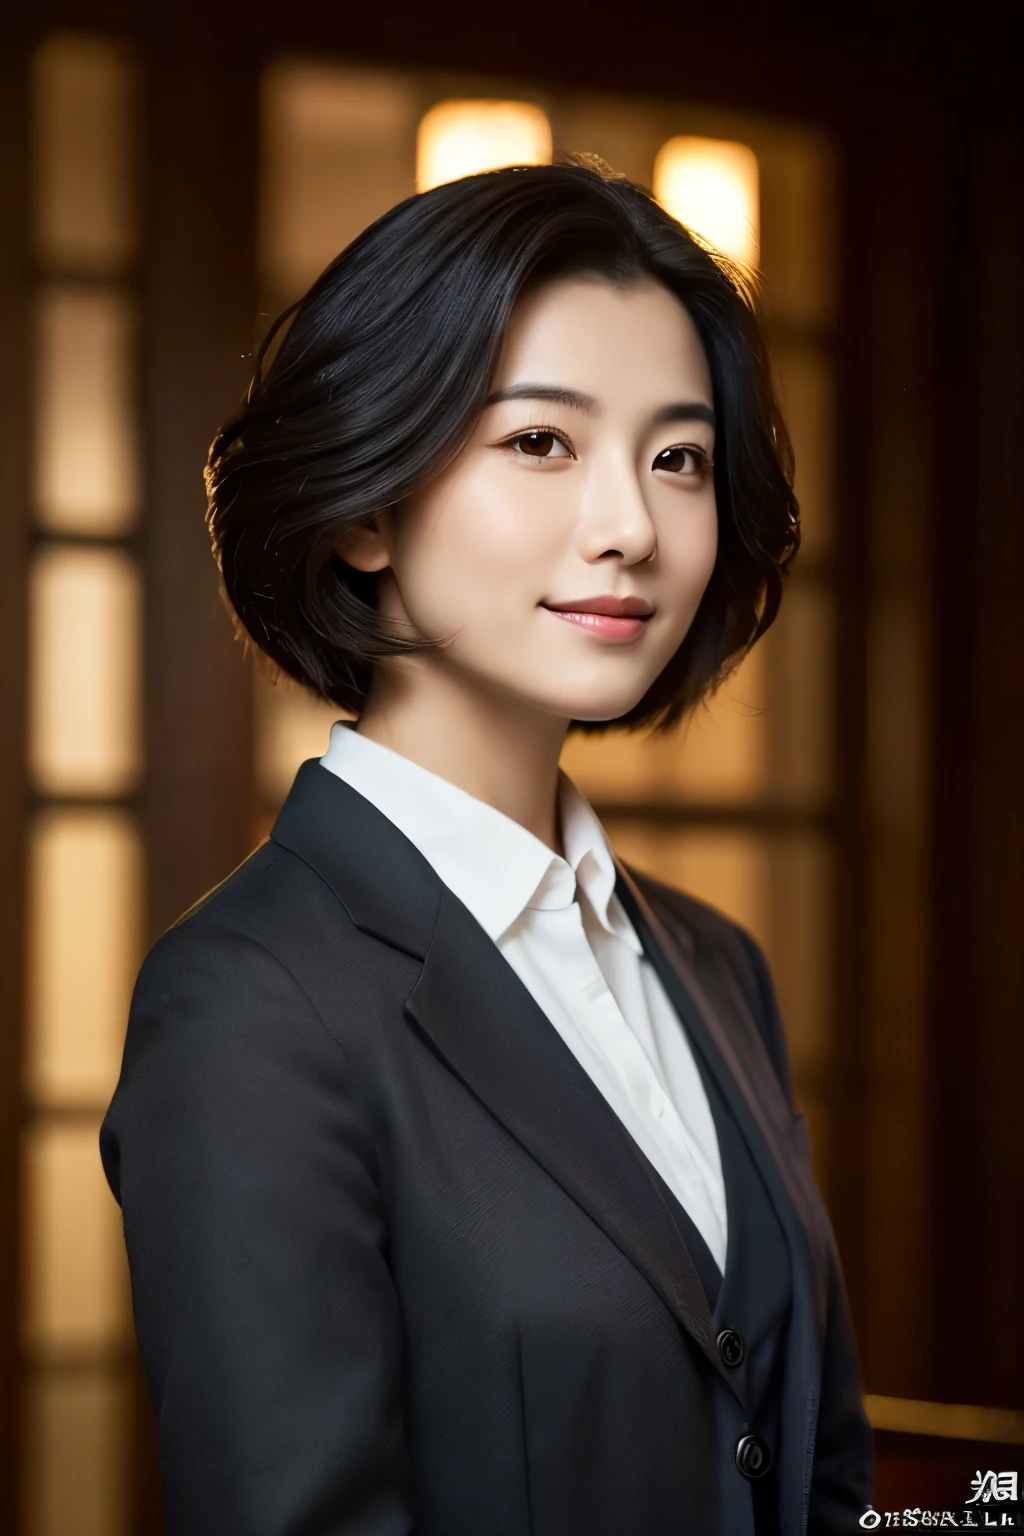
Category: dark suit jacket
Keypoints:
(397, 1267)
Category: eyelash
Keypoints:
(705, 463)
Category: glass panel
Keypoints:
(798, 652)
(801, 953)
(711, 186)
(291, 726)
(804, 378)
(85, 133)
(76, 1282)
(339, 150)
(86, 451)
(727, 867)
(75, 1472)
(721, 754)
(799, 946)
(85, 896)
(798, 225)
(84, 648)
(461, 138)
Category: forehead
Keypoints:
(634, 342)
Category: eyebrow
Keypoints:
(679, 410)
(557, 396)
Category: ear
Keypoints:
(364, 546)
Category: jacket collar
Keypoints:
(384, 883)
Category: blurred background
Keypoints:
(170, 178)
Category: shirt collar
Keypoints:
(494, 866)
(589, 855)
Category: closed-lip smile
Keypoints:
(606, 617)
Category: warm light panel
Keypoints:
(338, 152)
(292, 725)
(84, 141)
(84, 687)
(728, 867)
(711, 186)
(85, 897)
(76, 1462)
(75, 1290)
(462, 138)
(86, 468)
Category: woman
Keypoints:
(462, 1183)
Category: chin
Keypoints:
(601, 709)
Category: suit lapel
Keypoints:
(486, 1025)
(718, 1020)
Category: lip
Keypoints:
(606, 618)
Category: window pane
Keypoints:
(339, 150)
(727, 867)
(85, 133)
(84, 936)
(75, 1468)
(805, 381)
(76, 1285)
(463, 138)
(84, 729)
(721, 754)
(799, 940)
(799, 656)
(711, 186)
(798, 224)
(86, 453)
(291, 726)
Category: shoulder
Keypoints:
(234, 936)
(267, 880)
(218, 982)
(719, 941)
(271, 942)
(279, 902)
(261, 992)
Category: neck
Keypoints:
(499, 750)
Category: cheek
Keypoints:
(471, 546)
(688, 546)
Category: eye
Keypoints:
(684, 459)
(539, 443)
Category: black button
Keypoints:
(752, 1456)
(730, 1347)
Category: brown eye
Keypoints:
(683, 461)
(539, 445)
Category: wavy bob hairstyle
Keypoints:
(380, 378)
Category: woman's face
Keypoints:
(565, 551)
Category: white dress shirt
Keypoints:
(563, 930)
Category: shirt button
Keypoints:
(753, 1456)
(730, 1347)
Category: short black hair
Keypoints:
(381, 375)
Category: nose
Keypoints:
(615, 520)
